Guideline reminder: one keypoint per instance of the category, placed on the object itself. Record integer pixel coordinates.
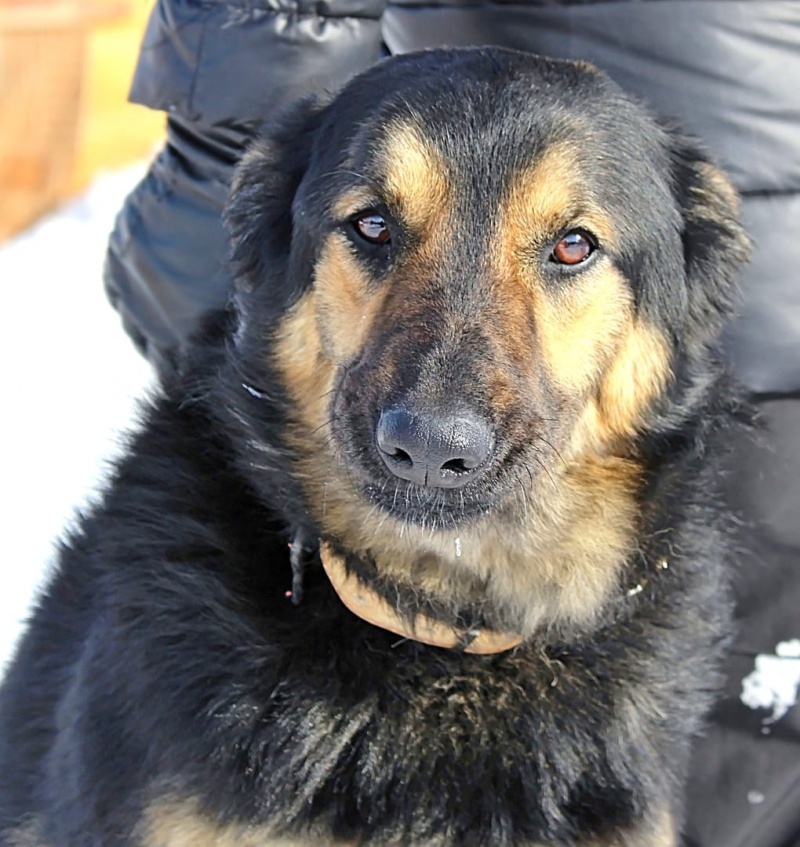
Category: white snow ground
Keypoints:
(69, 382)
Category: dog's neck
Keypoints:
(376, 610)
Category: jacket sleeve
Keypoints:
(219, 70)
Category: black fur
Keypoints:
(164, 658)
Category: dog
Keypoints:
(425, 546)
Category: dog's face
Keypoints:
(488, 297)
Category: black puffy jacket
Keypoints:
(728, 70)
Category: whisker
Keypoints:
(554, 449)
(544, 467)
(329, 422)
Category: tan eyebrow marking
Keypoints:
(416, 178)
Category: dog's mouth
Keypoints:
(429, 508)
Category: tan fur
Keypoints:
(582, 324)
(416, 180)
(322, 331)
(307, 372)
(345, 305)
(545, 198)
(586, 328)
(660, 834)
(178, 823)
(352, 201)
(173, 822)
(581, 327)
(636, 377)
(718, 198)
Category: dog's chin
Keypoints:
(431, 508)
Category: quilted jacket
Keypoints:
(728, 70)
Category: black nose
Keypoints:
(440, 452)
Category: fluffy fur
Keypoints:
(169, 693)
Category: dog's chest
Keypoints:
(393, 748)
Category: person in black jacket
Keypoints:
(728, 71)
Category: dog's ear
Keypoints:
(715, 244)
(259, 210)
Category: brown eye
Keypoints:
(573, 248)
(372, 228)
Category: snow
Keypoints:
(775, 682)
(70, 379)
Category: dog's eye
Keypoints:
(372, 228)
(575, 247)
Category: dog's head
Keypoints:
(482, 280)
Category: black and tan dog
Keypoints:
(472, 372)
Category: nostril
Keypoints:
(456, 466)
(400, 456)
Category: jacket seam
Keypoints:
(293, 11)
(769, 192)
(503, 4)
(196, 70)
(166, 36)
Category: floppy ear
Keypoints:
(259, 210)
(715, 244)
